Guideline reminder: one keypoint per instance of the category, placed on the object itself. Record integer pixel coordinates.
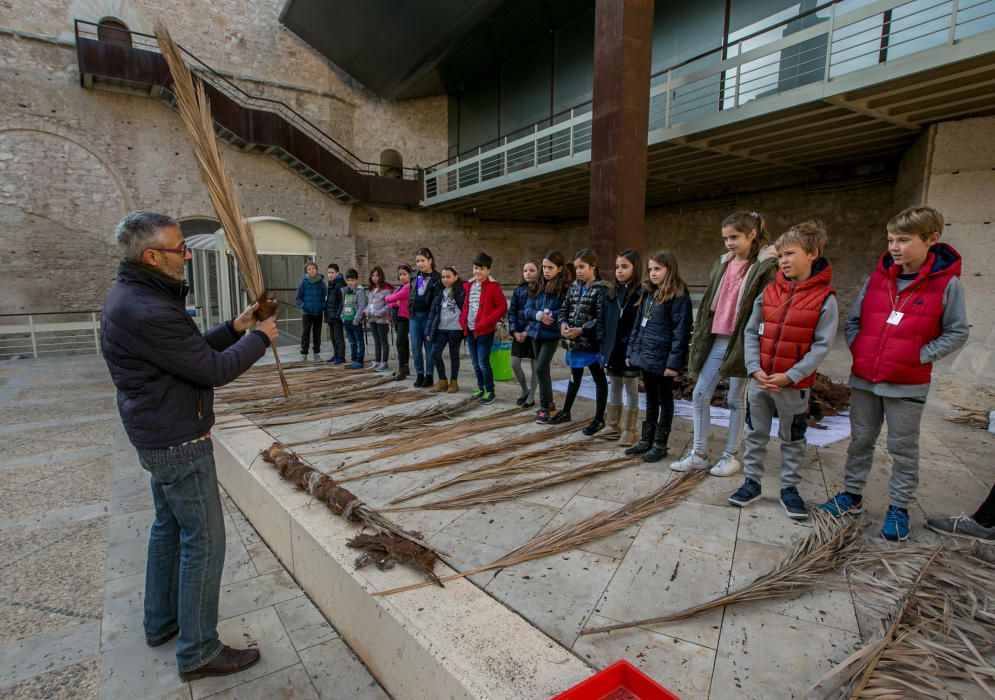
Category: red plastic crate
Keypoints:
(621, 680)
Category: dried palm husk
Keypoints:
(832, 542)
(458, 430)
(386, 550)
(573, 535)
(195, 111)
(937, 639)
(345, 503)
(487, 450)
(504, 492)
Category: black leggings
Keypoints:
(311, 329)
(403, 350)
(659, 399)
(600, 383)
(380, 344)
(985, 516)
(544, 350)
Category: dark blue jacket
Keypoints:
(162, 366)
(534, 305)
(662, 343)
(616, 332)
(333, 300)
(435, 315)
(311, 295)
(517, 323)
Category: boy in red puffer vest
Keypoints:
(789, 333)
(909, 314)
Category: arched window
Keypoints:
(114, 31)
(391, 164)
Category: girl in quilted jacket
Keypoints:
(521, 345)
(542, 310)
(378, 313)
(658, 346)
(582, 327)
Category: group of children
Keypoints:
(766, 321)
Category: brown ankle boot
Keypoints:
(630, 420)
(453, 386)
(440, 386)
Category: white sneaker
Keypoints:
(726, 466)
(691, 462)
(317, 357)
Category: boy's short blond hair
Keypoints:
(810, 236)
(921, 221)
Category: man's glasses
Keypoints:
(182, 250)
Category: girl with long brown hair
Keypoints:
(659, 347)
(542, 310)
(378, 313)
(518, 326)
(620, 310)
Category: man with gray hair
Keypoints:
(165, 370)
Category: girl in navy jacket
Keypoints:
(521, 345)
(658, 346)
(542, 309)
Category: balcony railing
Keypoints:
(839, 38)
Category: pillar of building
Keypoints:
(623, 47)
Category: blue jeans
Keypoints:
(701, 400)
(453, 339)
(480, 355)
(417, 329)
(357, 341)
(186, 551)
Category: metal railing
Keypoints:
(819, 46)
(48, 334)
(148, 42)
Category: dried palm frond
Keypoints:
(504, 492)
(487, 450)
(347, 504)
(195, 111)
(363, 406)
(417, 419)
(318, 398)
(938, 638)
(257, 390)
(456, 431)
(832, 542)
(573, 535)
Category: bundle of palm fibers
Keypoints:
(256, 390)
(369, 398)
(195, 111)
(457, 431)
(348, 410)
(490, 449)
(504, 492)
(573, 535)
(345, 503)
(831, 544)
(937, 639)
(449, 434)
(418, 419)
(544, 459)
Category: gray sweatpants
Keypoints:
(868, 411)
(791, 406)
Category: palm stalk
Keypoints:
(504, 492)
(832, 542)
(487, 450)
(346, 410)
(195, 111)
(572, 536)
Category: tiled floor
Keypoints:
(75, 509)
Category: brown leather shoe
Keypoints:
(453, 386)
(228, 661)
(440, 386)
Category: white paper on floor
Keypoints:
(829, 430)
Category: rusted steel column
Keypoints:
(623, 47)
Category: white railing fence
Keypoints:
(49, 334)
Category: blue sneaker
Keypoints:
(793, 504)
(842, 504)
(338, 360)
(896, 524)
(746, 494)
(356, 365)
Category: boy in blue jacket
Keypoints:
(311, 293)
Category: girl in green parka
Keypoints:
(748, 265)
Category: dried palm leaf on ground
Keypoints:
(416, 553)
(971, 417)
(937, 639)
(195, 111)
(347, 408)
(544, 459)
(573, 535)
(504, 492)
(456, 431)
(258, 390)
(320, 398)
(487, 450)
(832, 542)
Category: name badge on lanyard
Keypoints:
(645, 321)
(895, 317)
(760, 328)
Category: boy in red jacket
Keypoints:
(789, 333)
(909, 314)
(482, 309)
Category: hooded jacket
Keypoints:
(583, 309)
(163, 367)
(435, 315)
(758, 276)
(534, 305)
(517, 323)
(660, 336)
(333, 304)
(886, 352)
(377, 309)
(359, 302)
(399, 300)
(311, 295)
(492, 308)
